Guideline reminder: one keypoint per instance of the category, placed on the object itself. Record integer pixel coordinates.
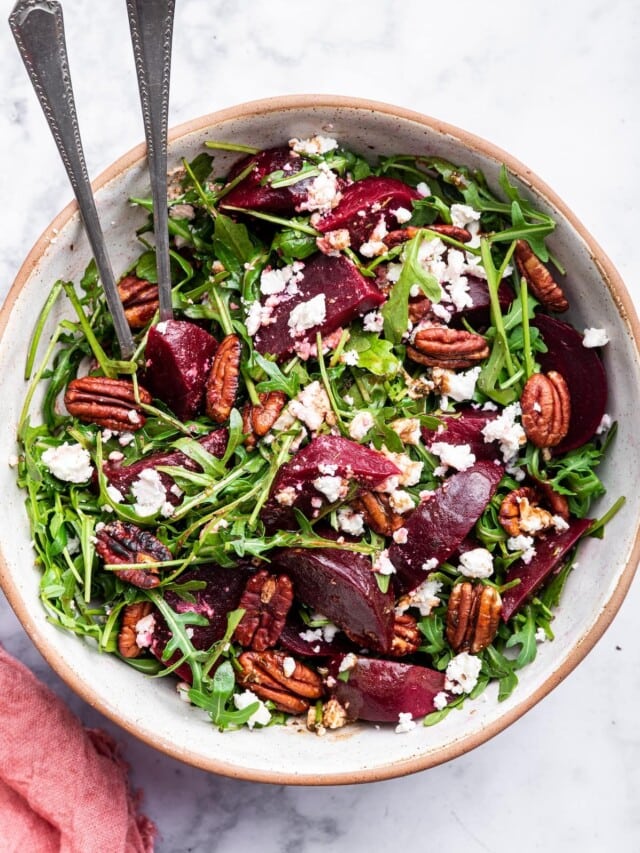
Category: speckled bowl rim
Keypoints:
(623, 303)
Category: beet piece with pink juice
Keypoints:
(178, 358)
(252, 194)
(381, 690)
(464, 428)
(340, 293)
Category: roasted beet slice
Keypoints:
(122, 476)
(465, 429)
(221, 595)
(550, 553)
(326, 456)
(347, 295)
(251, 194)
(291, 641)
(584, 374)
(362, 205)
(380, 690)
(342, 586)
(479, 314)
(438, 525)
(178, 357)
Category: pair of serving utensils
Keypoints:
(38, 29)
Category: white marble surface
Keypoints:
(556, 85)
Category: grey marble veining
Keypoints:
(557, 86)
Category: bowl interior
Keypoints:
(150, 708)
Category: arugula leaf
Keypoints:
(232, 244)
(525, 637)
(374, 354)
(292, 245)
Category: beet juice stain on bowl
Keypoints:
(353, 491)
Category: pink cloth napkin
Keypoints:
(63, 788)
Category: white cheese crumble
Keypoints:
(401, 501)
(68, 462)
(407, 430)
(375, 245)
(350, 358)
(182, 689)
(595, 338)
(383, 565)
(604, 425)
(423, 189)
(360, 425)
(149, 492)
(288, 667)
(286, 496)
(350, 522)
(406, 723)
(323, 192)
(314, 145)
(463, 215)
(308, 314)
(522, 543)
(261, 716)
(410, 471)
(477, 563)
(311, 406)
(459, 386)
(462, 673)
(507, 431)
(348, 662)
(126, 438)
(333, 488)
(402, 214)
(311, 635)
(273, 281)
(458, 456)
(144, 631)
(115, 494)
(540, 635)
(400, 535)
(424, 597)
(440, 701)
(373, 322)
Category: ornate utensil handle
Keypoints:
(151, 24)
(38, 29)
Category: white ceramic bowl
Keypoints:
(150, 709)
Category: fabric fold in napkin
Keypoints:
(63, 788)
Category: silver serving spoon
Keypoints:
(151, 24)
(38, 29)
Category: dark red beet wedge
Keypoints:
(550, 553)
(438, 525)
(584, 374)
(465, 429)
(479, 315)
(220, 596)
(178, 358)
(122, 476)
(342, 586)
(348, 295)
(362, 205)
(345, 458)
(291, 641)
(251, 195)
(380, 690)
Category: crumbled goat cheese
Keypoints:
(375, 244)
(559, 524)
(311, 635)
(423, 189)
(149, 492)
(463, 215)
(383, 565)
(182, 689)
(314, 145)
(144, 631)
(351, 522)
(595, 338)
(288, 667)
(126, 438)
(401, 501)
(459, 386)
(458, 456)
(286, 496)
(407, 430)
(308, 314)
(350, 358)
(68, 462)
(115, 494)
(424, 597)
(440, 701)
(333, 488)
(522, 543)
(477, 563)
(402, 214)
(604, 425)
(400, 535)
(182, 211)
(540, 635)
(274, 281)
(393, 274)
(333, 242)
(115, 456)
(410, 471)
(161, 327)
(348, 662)
(261, 716)
(176, 490)
(326, 468)
(322, 192)
(406, 723)
(73, 546)
(311, 406)
(507, 431)
(462, 673)
(373, 322)
(360, 425)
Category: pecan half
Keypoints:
(546, 409)
(109, 403)
(520, 512)
(258, 420)
(419, 309)
(222, 384)
(393, 238)
(139, 299)
(377, 512)
(266, 601)
(264, 674)
(123, 542)
(131, 615)
(406, 636)
(541, 283)
(439, 346)
(473, 616)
